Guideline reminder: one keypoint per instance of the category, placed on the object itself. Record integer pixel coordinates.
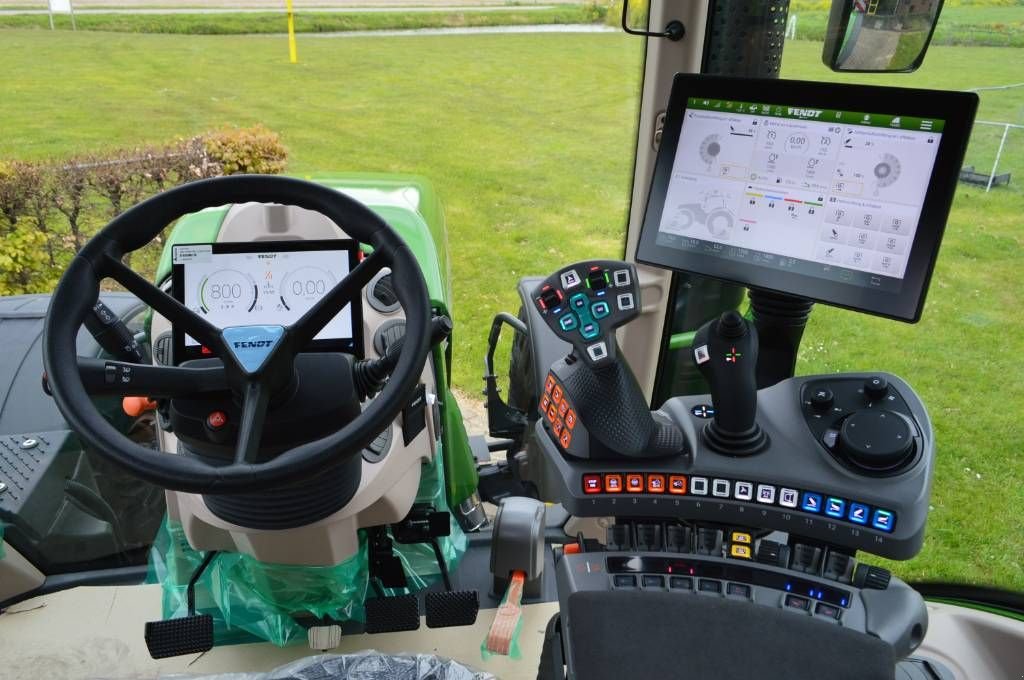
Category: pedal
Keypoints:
(392, 614)
(448, 609)
(188, 635)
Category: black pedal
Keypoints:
(189, 635)
(457, 608)
(392, 614)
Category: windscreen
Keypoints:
(831, 194)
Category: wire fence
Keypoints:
(995, 155)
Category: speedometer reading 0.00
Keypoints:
(227, 290)
(303, 287)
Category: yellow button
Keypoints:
(740, 537)
(740, 551)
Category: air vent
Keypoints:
(162, 349)
(387, 333)
(381, 293)
(378, 448)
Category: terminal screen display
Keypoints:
(752, 190)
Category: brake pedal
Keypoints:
(191, 634)
(392, 614)
(175, 637)
(447, 609)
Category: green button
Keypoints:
(567, 321)
(578, 301)
(590, 331)
(600, 310)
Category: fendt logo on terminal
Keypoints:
(804, 113)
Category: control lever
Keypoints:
(370, 375)
(113, 335)
(725, 351)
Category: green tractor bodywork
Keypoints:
(410, 205)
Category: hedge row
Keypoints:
(49, 210)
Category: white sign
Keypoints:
(60, 6)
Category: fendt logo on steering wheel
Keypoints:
(253, 344)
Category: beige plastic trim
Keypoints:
(641, 339)
(17, 575)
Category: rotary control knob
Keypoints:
(876, 440)
(876, 387)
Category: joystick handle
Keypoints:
(725, 351)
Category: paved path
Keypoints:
(280, 8)
(274, 5)
(468, 30)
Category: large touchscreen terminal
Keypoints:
(264, 283)
(837, 193)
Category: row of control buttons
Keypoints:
(715, 587)
(560, 415)
(765, 494)
(597, 278)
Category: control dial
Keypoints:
(876, 439)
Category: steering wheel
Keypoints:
(73, 379)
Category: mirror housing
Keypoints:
(879, 35)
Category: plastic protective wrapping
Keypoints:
(252, 600)
(1, 540)
(367, 665)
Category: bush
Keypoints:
(637, 13)
(254, 150)
(49, 210)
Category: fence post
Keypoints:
(999, 152)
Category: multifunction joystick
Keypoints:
(592, 405)
(725, 351)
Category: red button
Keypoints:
(591, 483)
(655, 483)
(566, 439)
(216, 420)
(613, 483)
(549, 384)
(677, 485)
(544, 403)
(635, 483)
(563, 407)
(556, 427)
(570, 419)
(556, 395)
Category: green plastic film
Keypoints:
(251, 600)
(1, 540)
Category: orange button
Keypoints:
(216, 420)
(556, 395)
(635, 483)
(655, 483)
(549, 384)
(571, 549)
(613, 483)
(552, 413)
(565, 439)
(570, 419)
(677, 484)
(544, 403)
(563, 407)
(556, 427)
(591, 483)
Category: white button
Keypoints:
(621, 277)
(788, 497)
(570, 279)
(699, 486)
(597, 351)
(701, 354)
(744, 491)
(765, 494)
(625, 301)
(720, 488)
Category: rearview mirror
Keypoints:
(879, 35)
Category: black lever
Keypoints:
(113, 335)
(725, 351)
(370, 375)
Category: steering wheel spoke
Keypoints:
(175, 312)
(119, 378)
(255, 400)
(330, 305)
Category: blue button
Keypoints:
(859, 513)
(590, 331)
(882, 520)
(600, 310)
(568, 322)
(812, 502)
(578, 301)
(835, 507)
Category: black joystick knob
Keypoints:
(725, 351)
(876, 440)
(876, 387)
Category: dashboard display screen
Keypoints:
(829, 197)
(264, 283)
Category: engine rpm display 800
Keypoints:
(245, 284)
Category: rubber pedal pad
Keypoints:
(447, 609)
(175, 637)
(392, 614)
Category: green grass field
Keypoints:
(529, 139)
